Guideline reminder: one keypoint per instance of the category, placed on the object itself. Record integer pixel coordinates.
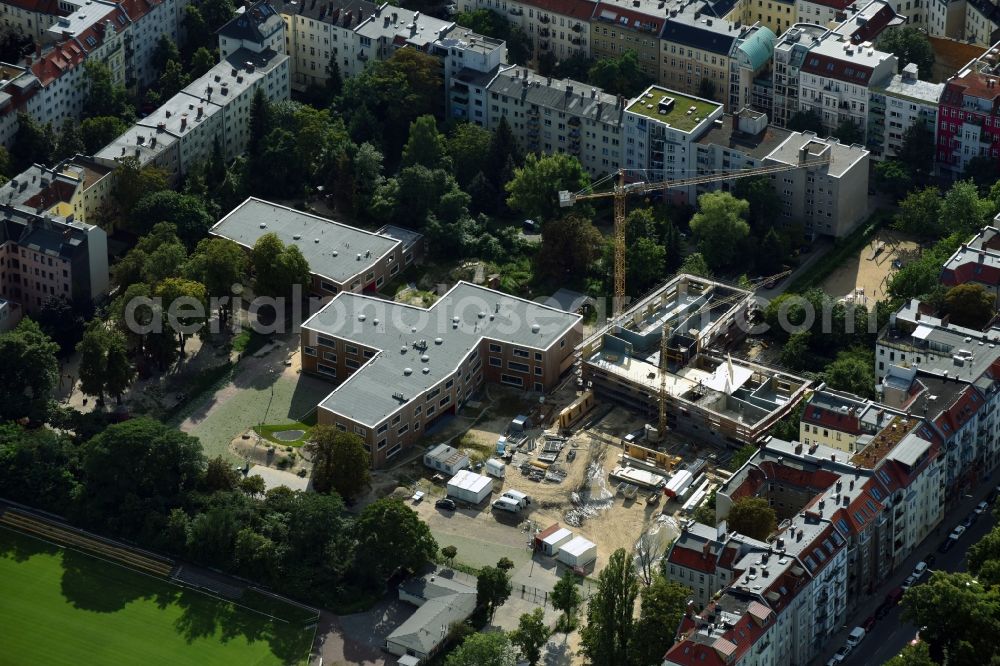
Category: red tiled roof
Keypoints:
(973, 84)
(40, 6)
(581, 10)
(959, 412)
(647, 22)
(873, 27)
(136, 9)
(692, 559)
(55, 63)
(726, 648)
(834, 68)
(832, 419)
(971, 271)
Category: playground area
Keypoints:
(864, 277)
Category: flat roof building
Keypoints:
(340, 257)
(399, 368)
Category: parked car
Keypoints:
(418, 496)
(947, 545)
(930, 559)
(920, 569)
(446, 504)
(856, 636)
(883, 610)
(869, 622)
(894, 595)
(840, 655)
(981, 508)
(957, 533)
(910, 581)
(970, 520)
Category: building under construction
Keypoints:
(709, 395)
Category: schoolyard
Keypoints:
(61, 606)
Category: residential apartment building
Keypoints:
(695, 51)
(843, 421)
(74, 189)
(400, 368)
(823, 13)
(835, 79)
(618, 26)
(216, 107)
(559, 27)
(824, 193)
(969, 115)
(982, 23)
(44, 256)
(340, 257)
(845, 524)
(776, 15)
(893, 109)
(661, 127)
(549, 115)
(976, 261)
(318, 33)
(32, 17)
(790, 53)
(750, 80)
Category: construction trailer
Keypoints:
(447, 459)
(639, 477)
(495, 468)
(550, 544)
(577, 552)
(469, 487)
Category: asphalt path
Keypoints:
(891, 634)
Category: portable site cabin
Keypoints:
(446, 459)
(496, 468)
(520, 424)
(678, 483)
(577, 552)
(551, 543)
(470, 487)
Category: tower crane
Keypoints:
(665, 337)
(622, 189)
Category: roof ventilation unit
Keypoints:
(407, 371)
(361, 317)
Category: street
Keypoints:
(890, 634)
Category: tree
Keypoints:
(220, 475)
(105, 366)
(765, 204)
(100, 131)
(920, 213)
(493, 588)
(492, 649)
(969, 305)
(164, 52)
(918, 151)
(645, 266)
(893, 177)
(957, 615)
(199, 35)
(59, 320)
(607, 637)
(28, 372)
(535, 188)
(105, 97)
(33, 143)
(849, 132)
(175, 292)
(648, 553)
(566, 597)
(340, 461)
(217, 12)
(619, 76)
(794, 351)
(277, 268)
(70, 141)
(449, 553)
(660, 611)
(426, 146)
(547, 62)
(531, 634)
(753, 516)
(505, 564)
(695, 264)
(743, 454)
(202, 60)
(719, 227)
(963, 210)
(806, 121)
(469, 146)
(134, 473)
(913, 655)
(37, 466)
(390, 536)
(173, 80)
(910, 45)
(852, 372)
(187, 213)
(133, 182)
(984, 558)
(772, 253)
(220, 265)
(569, 246)
(260, 121)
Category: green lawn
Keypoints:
(306, 426)
(59, 606)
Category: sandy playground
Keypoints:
(865, 276)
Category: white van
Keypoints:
(522, 499)
(856, 636)
(507, 504)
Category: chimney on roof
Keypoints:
(184, 123)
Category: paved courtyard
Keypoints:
(263, 390)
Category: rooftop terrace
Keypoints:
(680, 111)
(885, 441)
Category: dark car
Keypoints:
(869, 623)
(946, 545)
(445, 503)
(930, 559)
(894, 595)
(969, 520)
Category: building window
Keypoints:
(328, 286)
(538, 370)
(352, 364)
(351, 349)
(329, 356)
(326, 342)
(360, 431)
(511, 380)
(521, 353)
(403, 429)
(495, 362)
(326, 369)
(520, 367)
(309, 351)
(495, 348)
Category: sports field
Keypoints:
(59, 606)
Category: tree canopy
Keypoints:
(910, 45)
(534, 190)
(340, 461)
(606, 639)
(969, 305)
(753, 516)
(29, 371)
(719, 227)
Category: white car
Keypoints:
(982, 507)
(910, 581)
(957, 532)
(840, 655)
(919, 570)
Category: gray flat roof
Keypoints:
(367, 395)
(842, 156)
(336, 254)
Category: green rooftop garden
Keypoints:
(678, 116)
